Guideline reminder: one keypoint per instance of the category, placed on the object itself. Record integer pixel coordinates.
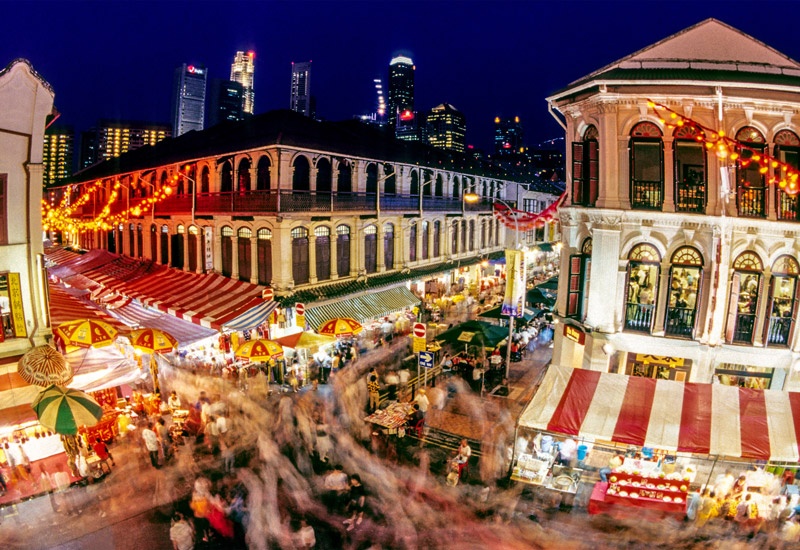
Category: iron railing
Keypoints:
(647, 195)
(680, 322)
(779, 329)
(690, 197)
(751, 202)
(745, 325)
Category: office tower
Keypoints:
(58, 154)
(401, 89)
(224, 102)
(188, 99)
(447, 128)
(111, 138)
(380, 108)
(242, 71)
(300, 100)
(508, 136)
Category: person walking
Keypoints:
(151, 444)
(373, 387)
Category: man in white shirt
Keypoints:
(421, 399)
(151, 443)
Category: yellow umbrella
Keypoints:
(305, 340)
(86, 333)
(259, 350)
(152, 340)
(340, 326)
(43, 366)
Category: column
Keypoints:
(157, 237)
(334, 254)
(217, 248)
(282, 254)
(762, 315)
(662, 300)
(312, 257)
(357, 250)
(200, 251)
(380, 256)
(603, 298)
(185, 238)
(254, 258)
(669, 176)
(235, 255)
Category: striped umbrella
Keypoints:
(340, 326)
(63, 410)
(86, 333)
(43, 366)
(259, 350)
(152, 340)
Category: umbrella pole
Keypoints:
(71, 449)
(154, 374)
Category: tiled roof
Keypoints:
(285, 127)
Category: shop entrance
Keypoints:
(658, 366)
(757, 378)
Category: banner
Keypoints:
(208, 252)
(514, 300)
(17, 312)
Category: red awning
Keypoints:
(65, 307)
(696, 418)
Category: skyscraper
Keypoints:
(401, 88)
(111, 138)
(242, 71)
(447, 128)
(507, 136)
(58, 154)
(188, 99)
(300, 100)
(224, 102)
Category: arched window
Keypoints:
(412, 242)
(226, 242)
(690, 170)
(264, 252)
(463, 236)
(300, 174)
(344, 181)
(343, 251)
(483, 234)
(371, 249)
(154, 242)
(426, 228)
(750, 182)
(322, 248)
(263, 176)
(437, 239)
(388, 246)
(192, 247)
(456, 187)
(643, 275)
(427, 183)
(205, 180)
(787, 150)
(226, 177)
(139, 241)
(647, 167)
(164, 180)
(685, 275)
(372, 178)
(471, 239)
(746, 285)
(390, 183)
(244, 175)
(580, 267)
(414, 189)
(177, 247)
(245, 253)
(585, 168)
(300, 271)
(439, 186)
(783, 301)
(324, 176)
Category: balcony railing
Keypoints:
(287, 201)
(639, 317)
(680, 322)
(745, 324)
(779, 328)
(788, 207)
(646, 195)
(690, 197)
(751, 202)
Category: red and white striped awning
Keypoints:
(66, 307)
(689, 417)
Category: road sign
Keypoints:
(420, 331)
(419, 344)
(267, 294)
(426, 359)
(300, 309)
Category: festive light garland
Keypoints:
(785, 176)
(525, 221)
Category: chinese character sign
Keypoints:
(514, 300)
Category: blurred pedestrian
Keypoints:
(181, 533)
(150, 439)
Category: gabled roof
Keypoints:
(709, 50)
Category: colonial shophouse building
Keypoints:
(678, 263)
(317, 211)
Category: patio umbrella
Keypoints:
(259, 350)
(64, 410)
(541, 296)
(340, 326)
(305, 340)
(43, 366)
(152, 340)
(86, 333)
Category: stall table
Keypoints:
(628, 490)
(392, 417)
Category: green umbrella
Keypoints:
(64, 410)
(476, 333)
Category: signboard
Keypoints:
(419, 344)
(267, 294)
(300, 309)
(420, 331)
(466, 336)
(426, 359)
(514, 299)
(208, 246)
(300, 321)
(15, 298)
(575, 334)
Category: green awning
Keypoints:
(476, 333)
(545, 247)
(363, 308)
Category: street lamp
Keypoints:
(471, 198)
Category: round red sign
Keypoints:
(419, 330)
(300, 309)
(267, 294)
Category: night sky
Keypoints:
(115, 59)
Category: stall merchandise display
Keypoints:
(669, 493)
(392, 417)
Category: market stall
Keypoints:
(392, 417)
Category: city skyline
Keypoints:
(504, 58)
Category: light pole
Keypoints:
(472, 197)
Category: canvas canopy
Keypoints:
(690, 417)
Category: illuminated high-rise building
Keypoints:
(300, 99)
(224, 102)
(111, 138)
(242, 71)
(401, 88)
(188, 99)
(447, 128)
(508, 136)
(58, 154)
